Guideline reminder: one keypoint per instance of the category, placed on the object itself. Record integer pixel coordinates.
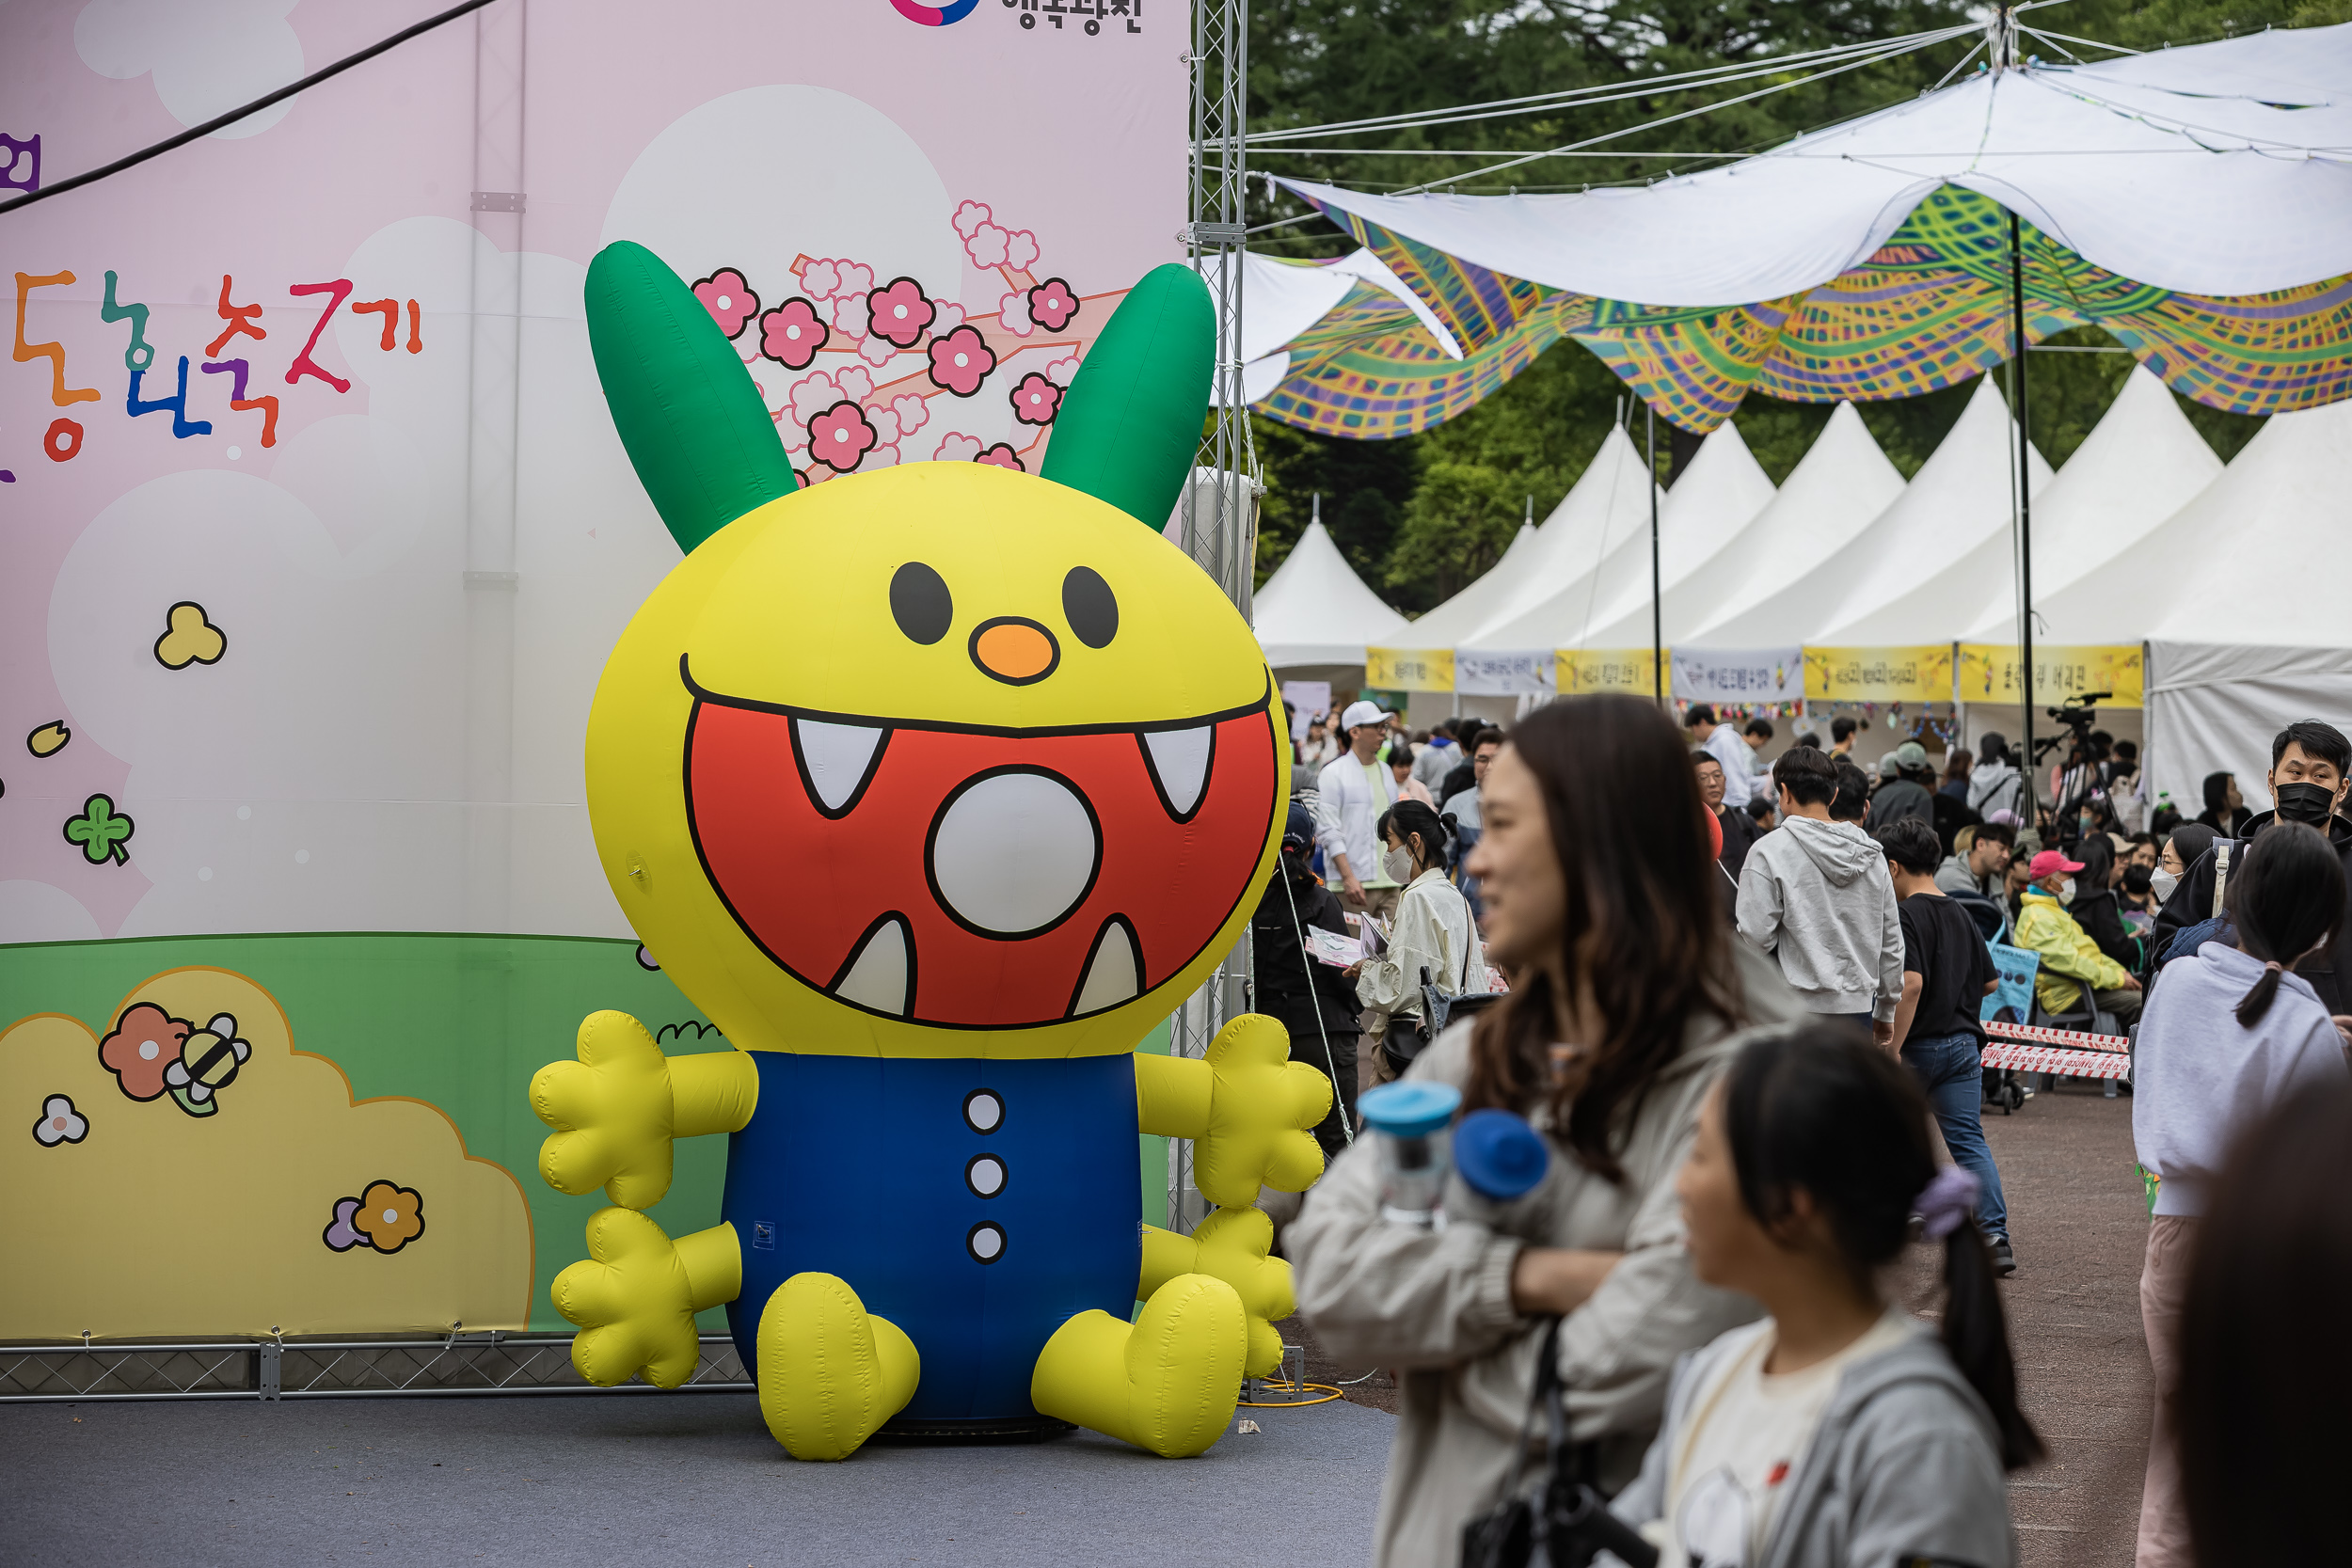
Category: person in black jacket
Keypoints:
(2310, 770)
(1295, 987)
(2096, 910)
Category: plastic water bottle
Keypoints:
(1412, 1125)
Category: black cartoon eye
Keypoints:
(920, 603)
(1089, 607)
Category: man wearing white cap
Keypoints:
(1355, 789)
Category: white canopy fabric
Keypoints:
(1958, 499)
(1282, 299)
(1448, 625)
(1717, 494)
(1842, 482)
(2139, 465)
(2252, 560)
(1315, 610)
(1609, 504)
(2186, 169)
(2215, 706)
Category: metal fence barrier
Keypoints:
(492, 1363)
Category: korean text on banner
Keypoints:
(1739, 674)
(1409, 669)
(1485, 675)
(1989, 674)
(1922, 674)
(1582, 671)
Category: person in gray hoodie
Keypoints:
(1838, 1432)
(1816, 895)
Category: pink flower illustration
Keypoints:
(792, 333)
(1035, 400)
(901, 312)
(961, 361)
(1052, 304)
(1001, 456)
(146, 1041)
(729, 298)
(840, 437)
(956, 446)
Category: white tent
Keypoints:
(1315, 610)
(1717, 494)
(1959, 498)
(1452, 620)
(1608, 505)
(1842, 482)
(2143, 462)
(2188, 169)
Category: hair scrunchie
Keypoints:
(1948, 1198)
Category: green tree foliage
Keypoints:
(1421, 517)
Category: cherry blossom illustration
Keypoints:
(729, 298)
(899, 312)
(1052, 304)
(956, 446)
(1012, 314)
(792, 333)
(1035, 400)
(840, 436)
(1003, 456)
(990, 243)
(961, 361)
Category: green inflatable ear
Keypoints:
(703, 443)
(1131, 424)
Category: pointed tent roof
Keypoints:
(1446, 625)
(1605, 507)
(1315, 610)
(2223, 568)
(1717, 496)
(1842, 482)
(2142, 463)
(1959, 498)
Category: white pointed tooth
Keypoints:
(881, 975)
(1113, 977)
(1181, 759)
(837, 758)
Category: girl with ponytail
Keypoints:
(2229, 1033)
(1838, 1429)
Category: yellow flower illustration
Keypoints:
(389, 1216)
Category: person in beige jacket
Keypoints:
(1630, 996)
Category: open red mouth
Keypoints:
(977, 878)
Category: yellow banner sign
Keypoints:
(1582, 671)
(1989, 672)
(1409, 669)
(1921, 675)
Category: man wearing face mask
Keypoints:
(2311, 764)
(2068, 954)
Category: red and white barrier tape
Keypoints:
(2073, 1038)
(2074, 1064)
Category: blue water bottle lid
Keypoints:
(1500, 1155)
(1413, 1108)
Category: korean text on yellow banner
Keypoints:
(1922, 674)
(1409, 669)
(1989, 674)
(1584, 671)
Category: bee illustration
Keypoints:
(208, 1059)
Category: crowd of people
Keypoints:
(1745, 1005)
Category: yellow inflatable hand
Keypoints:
(636, 1297)
(1248, 1106)
(616, 1110)
(1232, 1245)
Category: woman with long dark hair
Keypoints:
(2229, 1032)
(1629, 995)
(1839, 1431)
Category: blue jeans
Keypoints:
(1949, 1071)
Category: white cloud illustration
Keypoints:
(207, 55)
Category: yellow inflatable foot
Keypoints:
(1167, 1382)
(830, 1373)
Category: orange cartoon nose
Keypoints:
(1014, 650)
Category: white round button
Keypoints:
(985, 1242)
(983, 1112)
(1012, 853)
(985, 1176)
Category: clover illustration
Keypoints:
(102, 832)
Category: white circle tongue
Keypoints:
(1014, 853)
